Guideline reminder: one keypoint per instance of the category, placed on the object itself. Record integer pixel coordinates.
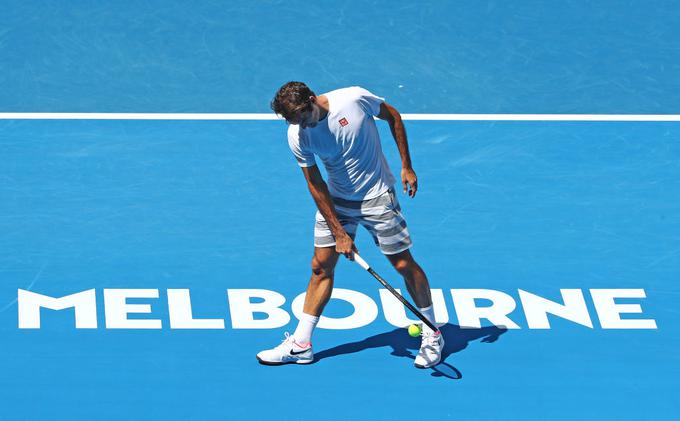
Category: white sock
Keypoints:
(428, 312)
(303, 333)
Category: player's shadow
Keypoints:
(456, 339)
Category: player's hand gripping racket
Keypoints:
(408, 305)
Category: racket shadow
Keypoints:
(404, 346)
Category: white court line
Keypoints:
(271, 116)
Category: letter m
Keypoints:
(84, 303)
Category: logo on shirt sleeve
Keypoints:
(343, 122)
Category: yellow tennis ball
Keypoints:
(414, 330)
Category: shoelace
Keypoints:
(288, 338)
(430, 340)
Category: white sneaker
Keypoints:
(431, 347)
(289, 352)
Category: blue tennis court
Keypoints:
(220, 211)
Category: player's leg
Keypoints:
(318, 293)
(383, 219)
(321, 282)
(432, 343)
(297, 348)
(416, 283)
(323, 264)
(390, 232)
(414, 277)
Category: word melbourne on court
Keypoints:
(262, 309)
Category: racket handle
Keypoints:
(361, 261)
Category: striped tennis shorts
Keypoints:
(381, 216)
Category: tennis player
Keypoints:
(339, 128)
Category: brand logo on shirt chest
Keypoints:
(343, 122)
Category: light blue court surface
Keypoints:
(213, 206)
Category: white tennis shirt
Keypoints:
(348, 144)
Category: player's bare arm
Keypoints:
(319, 190)
(409, 180)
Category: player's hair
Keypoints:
(292, 98)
